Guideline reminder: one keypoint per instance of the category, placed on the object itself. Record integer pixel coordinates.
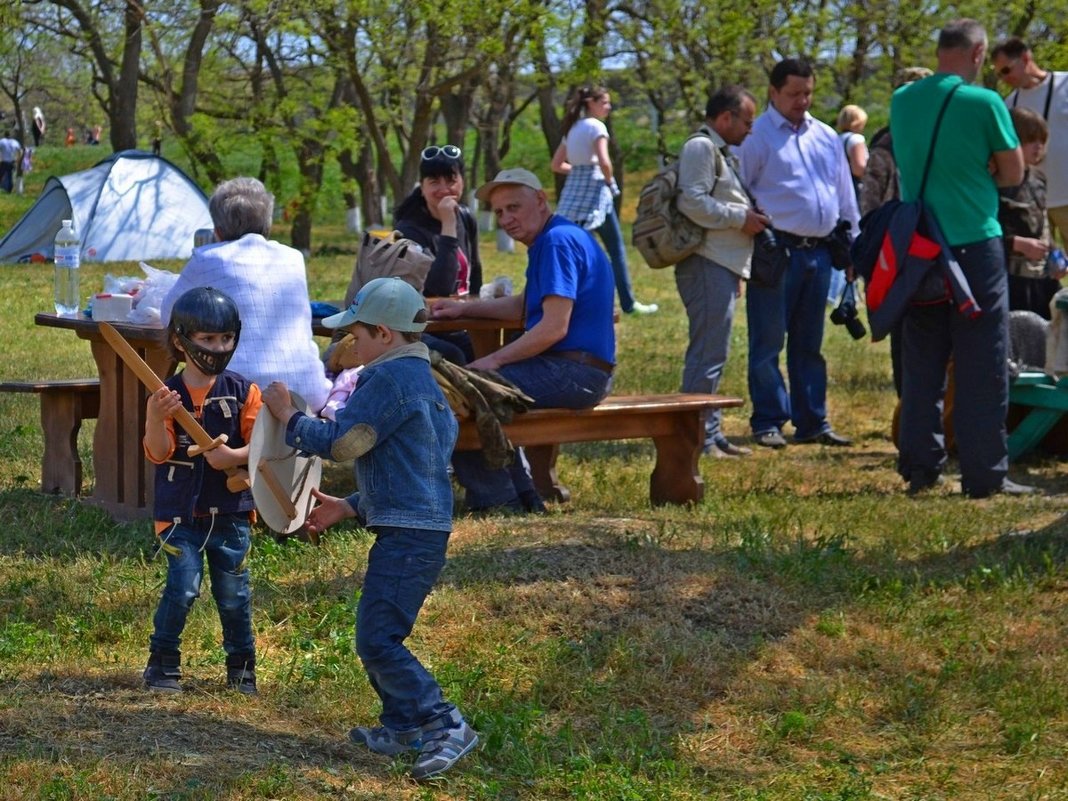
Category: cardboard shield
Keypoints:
(282, 477)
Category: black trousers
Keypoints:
(980, 357)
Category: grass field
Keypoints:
(806, 633)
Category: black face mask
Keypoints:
(210, 362)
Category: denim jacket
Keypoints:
(399, 428)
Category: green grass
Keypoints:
(806, 632)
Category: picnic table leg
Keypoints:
(61, 467)
(542, 460)
(675, 478)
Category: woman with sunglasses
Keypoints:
(587, 197)
(434, 217)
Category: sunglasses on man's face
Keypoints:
(1003, 71)
(448, 151)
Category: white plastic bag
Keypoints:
(123, 284)
(149, 301)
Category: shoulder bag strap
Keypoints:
(1049, 95)
(934, 138)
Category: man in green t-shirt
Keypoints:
(975, 153)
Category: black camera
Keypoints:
(838, 243)
(766, 239)
(845, 313)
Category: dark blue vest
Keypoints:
(187, 485)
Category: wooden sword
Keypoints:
(237, 480)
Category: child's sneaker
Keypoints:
(241, 674)
(162, 672)
(386, 741)
(443, 747)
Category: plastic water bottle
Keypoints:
(68, 258)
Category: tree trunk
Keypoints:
(123, 95)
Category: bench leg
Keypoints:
(676, 478)
(61, 419)
(542, 460)
(1030, 431)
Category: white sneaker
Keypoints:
(644, 308)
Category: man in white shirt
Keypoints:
(1045, 92)
(710, 280)
(797, 170)
(267, 281)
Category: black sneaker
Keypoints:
(532, 502)
(241, 674)
(923, 480)
(163, 672)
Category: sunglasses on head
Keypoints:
(448, 151)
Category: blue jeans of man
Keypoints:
(402, 566)
(709, 292)
(793, 314)
(225, 543)
(553, 383)
(612, 235)
(979, 348)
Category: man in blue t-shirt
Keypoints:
(566, 355)
(976, 151)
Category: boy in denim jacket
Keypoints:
(400, 430)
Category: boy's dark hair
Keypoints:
(787, 67)
(1012, 48)
(1029, 125)
(727, 98)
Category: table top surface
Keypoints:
(88, 327)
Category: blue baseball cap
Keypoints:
(391, 302)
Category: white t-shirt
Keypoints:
(582, 141)
(1055, 165)
(850, 139)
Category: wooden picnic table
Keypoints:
(487, 335)
(123, 476)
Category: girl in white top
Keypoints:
(587, 196)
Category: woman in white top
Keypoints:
(587, 197)
(851, 122)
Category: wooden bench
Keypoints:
(64, 404)
(674, 422)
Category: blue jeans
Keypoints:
(793, 314)
(402, 567)
(612, 236)
(980, 351)
(553, 383)
(709, 292)
(227, 549)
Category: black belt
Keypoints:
(583, 357)
(800, 242)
